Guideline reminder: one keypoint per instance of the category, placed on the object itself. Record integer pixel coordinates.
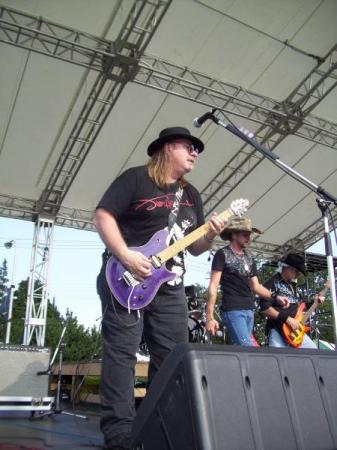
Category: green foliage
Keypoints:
(19, 311)
(3, 278)
(79, 343)
(3, 291)
(201, 291)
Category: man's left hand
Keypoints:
(216, 225)
(282, 301)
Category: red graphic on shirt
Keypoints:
(163, 201)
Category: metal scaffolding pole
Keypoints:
(37, 297)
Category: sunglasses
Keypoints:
(189, 147)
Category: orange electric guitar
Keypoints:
(295, 338)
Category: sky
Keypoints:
(74, 265)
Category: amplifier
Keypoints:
(19, 365)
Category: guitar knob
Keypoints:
(144, 286)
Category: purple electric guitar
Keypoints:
(134, 294)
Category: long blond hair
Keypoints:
(157, 168)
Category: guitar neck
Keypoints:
(306, 315)
(183, 243)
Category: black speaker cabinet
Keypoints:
(226, 398)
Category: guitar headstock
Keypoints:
(239, 206)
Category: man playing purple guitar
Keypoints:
(136, 205)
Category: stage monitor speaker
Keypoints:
(209, 397)
(19, 365)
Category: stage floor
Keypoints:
(55, 432)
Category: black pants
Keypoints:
(164, 323)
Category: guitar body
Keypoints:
(133, 294)
(295, 338)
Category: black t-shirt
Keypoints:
(234, 282)
(278, 286)
(141, 208)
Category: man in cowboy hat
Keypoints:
(141, 201)
(284, 282)
(234, 268)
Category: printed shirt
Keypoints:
(236, 273)
(141, 209)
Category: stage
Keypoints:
(59, 431)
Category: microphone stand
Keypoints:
(57, 404)
(323, 202)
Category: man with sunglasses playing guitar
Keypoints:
(286, 326)
(139, 202)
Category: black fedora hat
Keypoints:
(169, 134)
(295, 260)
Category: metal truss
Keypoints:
(89, 51)
(117, 63)
(96, 109)
(83, 49)
(24, 209)
(75, 218)
(48, 38)
(316, 86)
(237, 169)
(37, 299)
(117, 67)
(178, 80)
(311, 234)
(123, 60)
(135, 34)
(17, 208)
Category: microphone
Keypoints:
(198, 121)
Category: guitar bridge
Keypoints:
(129, 279)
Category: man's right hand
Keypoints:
(138, 264)
(212, 326)
(293, 324)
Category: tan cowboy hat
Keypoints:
(238, 224)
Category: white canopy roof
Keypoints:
(86, 86)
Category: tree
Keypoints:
(3, 278)
(18, 313)
(3, 298)
(80, 343)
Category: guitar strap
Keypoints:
(175, 208)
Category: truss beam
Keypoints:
(40, 35)
(316, 86)
(37, 299)
(123, 60)
(24, 209)
(311, 234)
(135, 34)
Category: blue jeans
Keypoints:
(276, 340)
(239, 324)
